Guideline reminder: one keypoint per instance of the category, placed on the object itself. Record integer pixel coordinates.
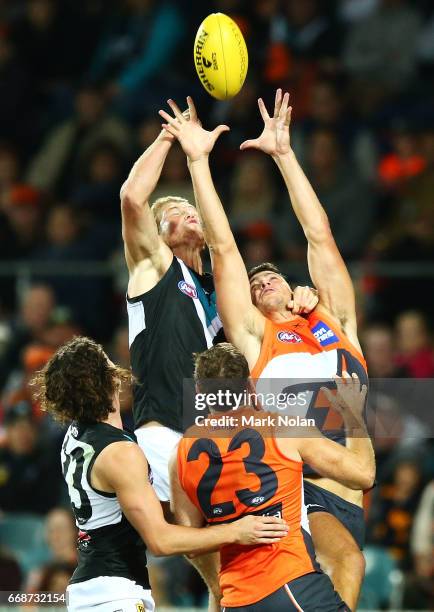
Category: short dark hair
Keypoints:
(221, 368)
(264, 267)
(78, 383)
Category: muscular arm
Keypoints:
(353, 465)
(144, 248)
(122, 468)
(242, 322)
(327, 268)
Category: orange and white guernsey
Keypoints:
(299, 356)
(228, 477)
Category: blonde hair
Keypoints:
(157, 207)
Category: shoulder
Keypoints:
(120, 456)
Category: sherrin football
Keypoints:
(220, 56)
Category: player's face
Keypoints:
(180, 224)
(269, 291)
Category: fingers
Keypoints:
(288, 117)
(170, 120)
(170, 129)
(249, 144)
(332, 398)
(219, 130)
(268, 540)
(304, 300)
(296, 301)
(175, 109)
(271, 520)
(192, 108)
(277, 102)
(284, 107)
(263, 110)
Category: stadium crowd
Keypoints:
(80, 88)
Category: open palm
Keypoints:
(193, 138)
(275, 137)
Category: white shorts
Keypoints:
(158, 443)
(108, 594)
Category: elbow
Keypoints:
(130, 204)
(222, 248)
(158, 547)
(320, 233)
(370, 479)
(366, 480)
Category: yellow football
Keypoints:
(220, 56)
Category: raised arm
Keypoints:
(353, 465)
(242, 322)
(326, 266)
(122, 467)
(147, 256)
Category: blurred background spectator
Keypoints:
(80, 88)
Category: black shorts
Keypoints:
(317, 499)
(310, 593)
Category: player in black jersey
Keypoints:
(171, 304)
(115, 507)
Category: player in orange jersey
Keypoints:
(279, 344)
(243, 465)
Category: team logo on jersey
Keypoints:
(257, 500)
(324, 334)
(83, 539)
(140, 607)
(188, 289)
(288, 336)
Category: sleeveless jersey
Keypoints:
(167, 324)
(228, 477)
(107, 544)
(301, 355)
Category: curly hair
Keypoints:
(78, 383)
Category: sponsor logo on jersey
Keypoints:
(140, 607)
(257, 500)
(188, 289)
(324, 334)
(74, 431)
(288, 336)
(217, 510)
(83, 539)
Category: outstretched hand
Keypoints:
(275, 138)
(194, 139)
(350, 397)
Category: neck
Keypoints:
(114, 419)
(191, 256)
(280, 316)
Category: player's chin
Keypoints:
(194, 233)
(269, 303)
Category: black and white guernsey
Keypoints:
(167, 324)
(107, 544)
